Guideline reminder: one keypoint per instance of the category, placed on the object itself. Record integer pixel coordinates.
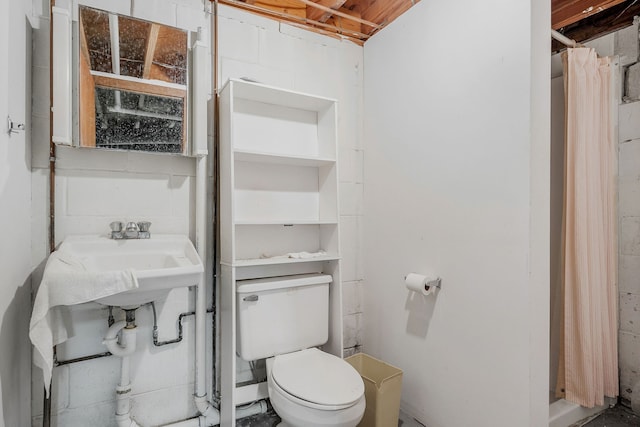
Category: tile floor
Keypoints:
(618, 416)
(270, 419)
(406, 421)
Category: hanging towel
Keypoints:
(66, 281)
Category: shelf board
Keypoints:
(260, 157)
(277, 261)
(277, 96)
(287, 222)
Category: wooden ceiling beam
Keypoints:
(319, 27)
(567, 12)
(357, 19)
(323, 15)
(612, 19)
(379, 10)
(384, 11)
(346, 24)
(365, 22)
(289, 7)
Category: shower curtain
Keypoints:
(588, 368)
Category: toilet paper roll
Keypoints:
(419, 283)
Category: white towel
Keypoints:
(296, 255)
(66, 281)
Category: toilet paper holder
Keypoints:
(428, 284)
(437, 282)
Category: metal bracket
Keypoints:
(14, 127)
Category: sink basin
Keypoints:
(160, 264)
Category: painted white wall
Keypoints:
(95, 187)
(456, 183)
(15, 196)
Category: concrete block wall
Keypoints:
(95, 187)
(627, 47)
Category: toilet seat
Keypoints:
(317, 379)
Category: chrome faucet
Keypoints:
(132, 230)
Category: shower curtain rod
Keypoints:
(564, 39)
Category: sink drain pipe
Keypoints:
(123, 350)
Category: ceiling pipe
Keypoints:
(564, 39)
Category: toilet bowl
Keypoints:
(310, 388)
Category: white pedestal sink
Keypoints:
(160, 264)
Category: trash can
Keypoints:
(382, 388)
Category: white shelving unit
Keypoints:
(279, 199)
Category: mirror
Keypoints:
(132, 83)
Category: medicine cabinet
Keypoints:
(279, 206)
(124, 83)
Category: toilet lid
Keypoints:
(318, 377)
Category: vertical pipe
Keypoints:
(201, 299)
(202, 403)
(123, 399)
(46, 406)
(215, 192)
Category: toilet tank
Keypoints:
(283, 314)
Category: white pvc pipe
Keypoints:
(204, 406)
(124, 350)
(259, 407)
(125, 371)
(128, 345)
(123, 396)
(210, 414)
(564, 39)
(202, 403)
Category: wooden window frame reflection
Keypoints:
(89, 79)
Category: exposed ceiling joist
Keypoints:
(566, 12)
(384, 11)
(290, 7)
(344, 18)
(358, 20)
(323, 15)
(608, 21)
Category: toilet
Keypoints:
(284, 319)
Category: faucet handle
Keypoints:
(116, 226)
(144, 225)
